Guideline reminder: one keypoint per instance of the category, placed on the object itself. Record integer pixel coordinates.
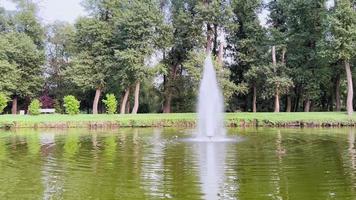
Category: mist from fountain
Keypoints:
(210, 104)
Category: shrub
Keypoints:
(46, 101)
(58, 106)
(34, 107)
(3, 102)
(110, 103)
(71, 105)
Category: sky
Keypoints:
(52, 10)
(70, 10)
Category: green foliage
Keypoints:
(23, 53)
(92, 54)
(3, 102)
(110, 103)
(71, 105)
(34, 107)
(59, 48)
(57, 106)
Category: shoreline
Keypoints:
(184, 120)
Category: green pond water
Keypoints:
(288, 164)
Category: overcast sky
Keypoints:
(70, 10)
(52, 10)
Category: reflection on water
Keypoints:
(314, 164)
(211, 156)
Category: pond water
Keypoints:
(147, 163)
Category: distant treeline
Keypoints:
(150, 55)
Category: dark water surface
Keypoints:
(288, 164)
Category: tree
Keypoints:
(246, 42)
(8, 70)
(59, 52)
(25, 50)
(26, 21)
(277, 79)
(342, 29)
(135, 33)
(303, 27)
(28, 60)
(93, 56)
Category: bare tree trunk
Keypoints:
(289, 104)
(254, 100)
(337, 93)
(350, 90)
(96, 100)
(276, 95)
(137, 96)
(274, 60)
(124, 101)
(307, 105)
(276, 100)
(14, 106)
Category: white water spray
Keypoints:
(210, 105)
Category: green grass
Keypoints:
(178, 119)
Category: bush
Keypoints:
(110, 103)
(58, 106)
(71, 105)
(3, 102)
(34, 107)
(46, 101)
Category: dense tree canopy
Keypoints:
(277, 55)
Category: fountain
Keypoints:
(210, 105)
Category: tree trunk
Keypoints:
(337, 93)
(254, 99)
(274, 60)
(124, 101)
(350, 90)
(284, 50)
(289, 104)
(168, 90)
(307, 105)
(215, 46)
(276, 95)
(276, 100)
(137, 96)
(14, 106)
(128, 106)
(96, 101)
(209, 31)
(167, 103)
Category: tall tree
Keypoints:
(29, 60)
(185, 31)
(93, 56)
(342, 35)
(27, 39)
(59, 50)
(135, 32)
(246, 42)
(304, 30)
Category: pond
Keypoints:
(150, 163)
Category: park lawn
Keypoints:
(179, 119)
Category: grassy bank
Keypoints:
(312, 119)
